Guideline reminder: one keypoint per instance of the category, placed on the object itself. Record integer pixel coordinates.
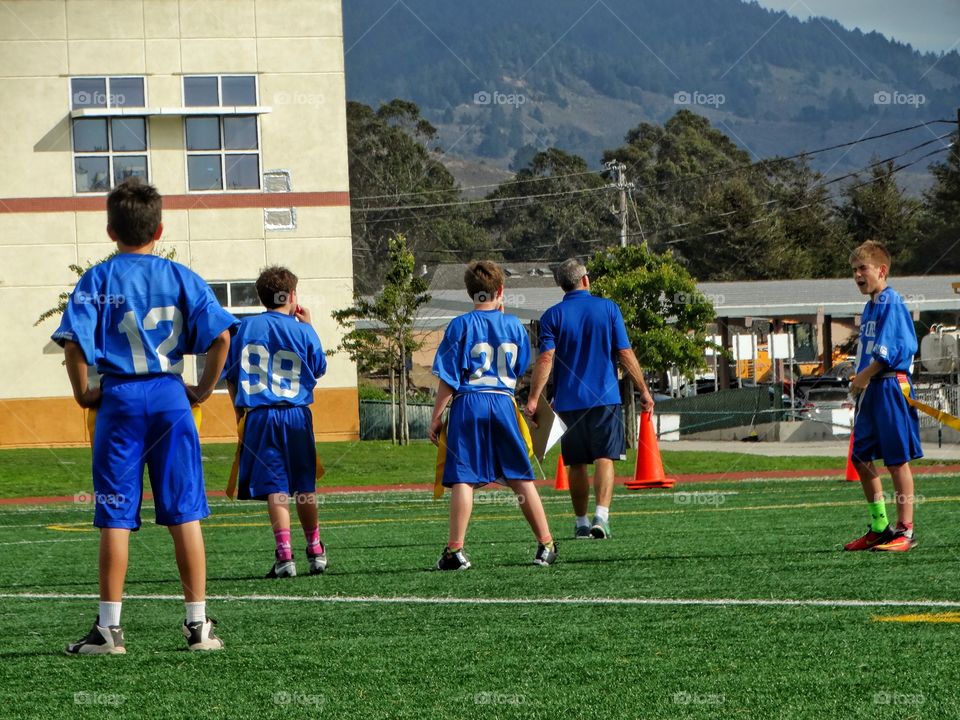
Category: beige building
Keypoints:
(234, 109)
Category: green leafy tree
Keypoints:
(389, 340)
(939, 251)
(665, 315)
(395, 170)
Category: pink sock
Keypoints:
(282, 538)
(313, 540)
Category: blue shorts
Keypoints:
(593, 434)
(484, 443)
(146, 421)
(885, 426)
(279, 453)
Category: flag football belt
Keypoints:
(939, 415)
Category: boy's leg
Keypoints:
(310, 522)
(461, 507)
(191, 561)
(879, 530)
(532, 509)
(277, 508)
(114, 556)
(903, 489)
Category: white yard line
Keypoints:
(585, 601)
(37, 542)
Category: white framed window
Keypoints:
(223, 151)
(109, 149)
(239, 298)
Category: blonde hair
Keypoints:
(871, 252)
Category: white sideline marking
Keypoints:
(418, 600)
(37, 542)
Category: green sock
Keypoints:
(878, 516)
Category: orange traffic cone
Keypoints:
(649, 470)
(562, 482)
(852, 475)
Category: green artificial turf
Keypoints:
(363, 657)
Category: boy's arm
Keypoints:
(859, 382)
(216, 359)
(77, 368)
(444, 393)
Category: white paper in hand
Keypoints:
(548, 430)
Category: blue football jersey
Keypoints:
(887, 333)
(274, 359)
(586, 333)
(139, 314)
(483, 350)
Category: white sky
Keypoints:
(928, 25)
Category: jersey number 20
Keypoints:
(506, 355)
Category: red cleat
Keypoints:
(871, 540)
(901, 542)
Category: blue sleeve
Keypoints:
(621, 341)
(448, 362)
(79, 321)
(205, 318)
(315, 354)
(231, 368)
(548, 331)
(895, 342)
(523, 351)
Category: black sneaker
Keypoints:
(546, 554)
(99, 641)
(200, 635)
(453, 560)
(318, 563)
(282, 569)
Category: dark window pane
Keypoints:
(203, 172)
(200, 92)
(129, 134)
(88, 92)
(219, 292)
(126, 92)
(93, 174)
(243, 172)
(125, 166)
(203, 133)
(240, 133)
(239, 90)
(244, 294)
(90, 135)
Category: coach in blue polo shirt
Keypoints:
(582, 338)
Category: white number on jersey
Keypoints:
(153, 318)
(258, 375)
(506, 356)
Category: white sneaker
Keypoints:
(317, 563)
(99, 641)
(200, 635)
(282, 569)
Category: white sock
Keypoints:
(583, 521)
(196, 611)
(109, 613)
(602, 514)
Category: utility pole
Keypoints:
(619, 170)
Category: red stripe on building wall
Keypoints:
(211, 201)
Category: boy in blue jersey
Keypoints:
(582, 339)
(134, 316)
(480, 359)
(273, 366)
(885, 426)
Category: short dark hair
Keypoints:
(275, 285)
(134, 211)
(483, 278)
